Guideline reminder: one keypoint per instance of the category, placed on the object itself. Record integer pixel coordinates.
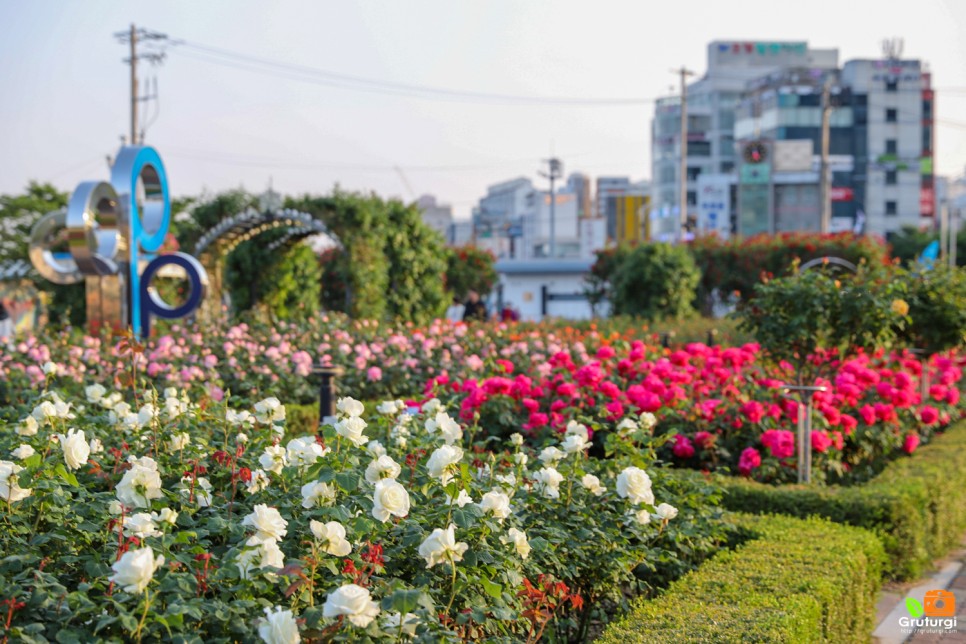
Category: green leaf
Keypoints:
(62, 472)
(404, 601)
(492, 588)
(348, 481)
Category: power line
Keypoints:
(345, 81)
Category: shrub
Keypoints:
(738, 264)
(812, 312)
(469, 268)
(655, 281)
(917, 505)
(936, 297)
(795, 581)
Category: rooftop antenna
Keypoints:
(892, 48)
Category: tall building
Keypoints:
(579, 185)
(625, 207)
(437, 216)
(712, 102)
(755, 141)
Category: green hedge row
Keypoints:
(796, 580)
(916, 506)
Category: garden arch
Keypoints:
(220, 240)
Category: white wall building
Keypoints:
(544, 288)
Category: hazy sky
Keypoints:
(64, 89)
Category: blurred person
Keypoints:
(455, 311)
(6, 320)
(475, 309)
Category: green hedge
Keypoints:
(795, 581)
(916, 506)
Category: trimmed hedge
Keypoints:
(797, 580)
(916, 506)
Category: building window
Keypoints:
(890, 177)
(891, 147)
(693, 173)
(892, 115)
(727, 166)
(692, 198)
(699, 148)
(892, 84)
(891, 208)
(927, 138)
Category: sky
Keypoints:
(273, 110)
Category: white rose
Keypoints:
(167, 515)
(279, 627)
(575, 443)
(627, 426)
(304, 451)
(665, 512)
(202, 491)
(170, 392)
(648, 420)
(22, 452)
(521, 459)
(351, 428)
(259, 553)
(391, 407)
(138, 486)
(258, 482)
(389, 498)
(509, 480)
(50, 369)
(141, 525)
(179, 442)
(382, 468)
(10, 490)
(375, 449)
(643, 517)
(577, 429)
(317, 493)
(350, 407)
(174, 407)
(28, 426)
(443, 462)
(239, 417)
(548, 481)
(269, 411)
(96, 446)
(448, 428)
(516, 439)
(431, 406)
(109, 401)
(331, 536)
(592, 483)
(519, 540)
(274, 459)
(352, 601)
(146, 414)
(75, 447)
(550, 455)
(441, 546)
(497, 503)
(268, 523)
(634, 484)
(241, 437)
(461, 499)
(134, 571)
(94, 393)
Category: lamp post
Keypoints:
(327, 390)
(805, 394)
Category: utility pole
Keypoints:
(825, 202)
(683, 196)
(134, 37)
(556, 171)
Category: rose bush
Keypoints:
(155, 516)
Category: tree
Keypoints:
(469, 268)
(655, 281)
(19, 213)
